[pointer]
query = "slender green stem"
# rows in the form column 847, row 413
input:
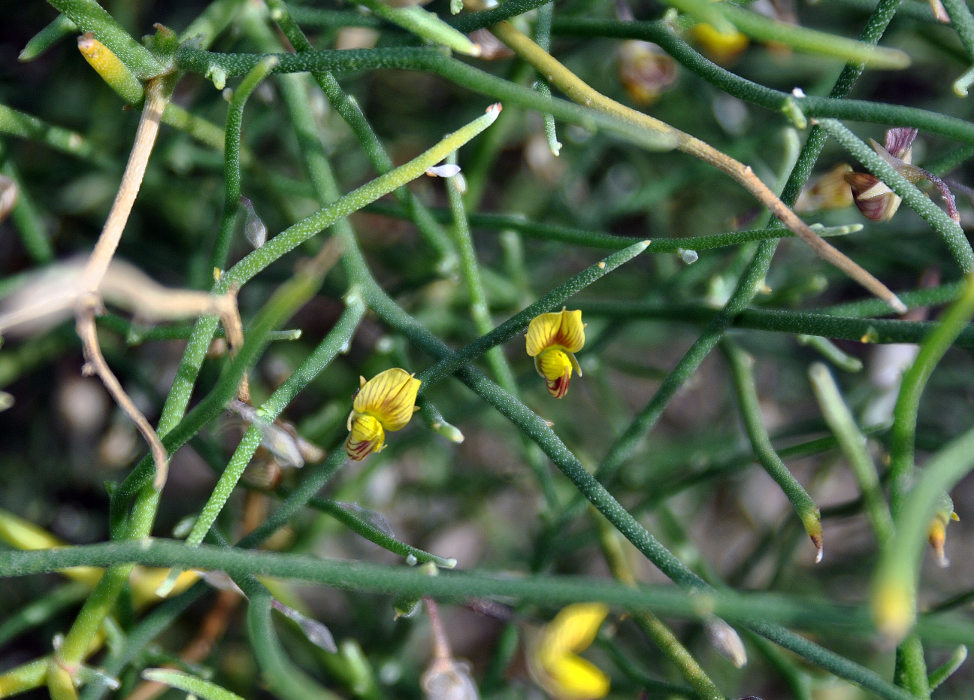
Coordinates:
column 312, row 366
column 377, row 536
column 741, row 365
column 423, row 24
column 483, row 324
column 895, row 579
column 470, row 271
column 804, row 39
column 542, row 36
column 654, row 628
column 41, row 611
column 231, row 159
column 283, row 677
column 89, row 16
column 863, row 330
column 906, row 412
column 831, row 352
column 351, row 112
column 213, row 20
column 193, row 685
column 27, row 218
column 963, row 23
column 59, row 28
column 25, row 677
column 854, row 447
column 601, row 239
column 947, row 669
column 27, row 126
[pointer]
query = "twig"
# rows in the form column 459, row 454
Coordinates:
column 101, row 258
column 582, row 93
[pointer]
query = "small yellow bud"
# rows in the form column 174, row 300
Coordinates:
column 110, row 68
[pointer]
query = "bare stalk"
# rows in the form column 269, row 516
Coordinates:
column 101, row 257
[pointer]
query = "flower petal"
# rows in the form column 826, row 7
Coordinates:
column 572, row 333
column 874, row 198
column 574, row 678
column 829, row 191
column 573, row 629
column 555, row 366
column 390, row 396
column 899, row 142
column 366, row 437
column 564, row 328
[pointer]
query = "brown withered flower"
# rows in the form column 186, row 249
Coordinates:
column 874, row 198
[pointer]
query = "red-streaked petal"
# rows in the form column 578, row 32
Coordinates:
column 365, row 437
column 563, row 328
column 559, row 387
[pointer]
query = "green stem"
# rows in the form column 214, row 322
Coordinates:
column 377, row 536
column 809, row 40
column 854, row 447
column 350, row 111
column 906, row 412
column 59, row 28
column 741, row 365
column 25, row 677
column 600, row 239
column 862, row 330
column 963, row 23
column 484, row 324
column 312, row 366
column 654, row 628
column 27, row 126
column 231, row 159
column 193, row 685
column 89, row 16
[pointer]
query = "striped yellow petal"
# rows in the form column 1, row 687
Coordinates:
column 366, row 437
column 562, row 328
column 389, row 396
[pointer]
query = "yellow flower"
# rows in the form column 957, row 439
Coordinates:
column 722, row 48
column 552, row 341
column 553, row 657
column 385, row 402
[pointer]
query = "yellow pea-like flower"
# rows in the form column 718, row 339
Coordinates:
column 552, row 340
column 553, row 657
column 385, row 402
